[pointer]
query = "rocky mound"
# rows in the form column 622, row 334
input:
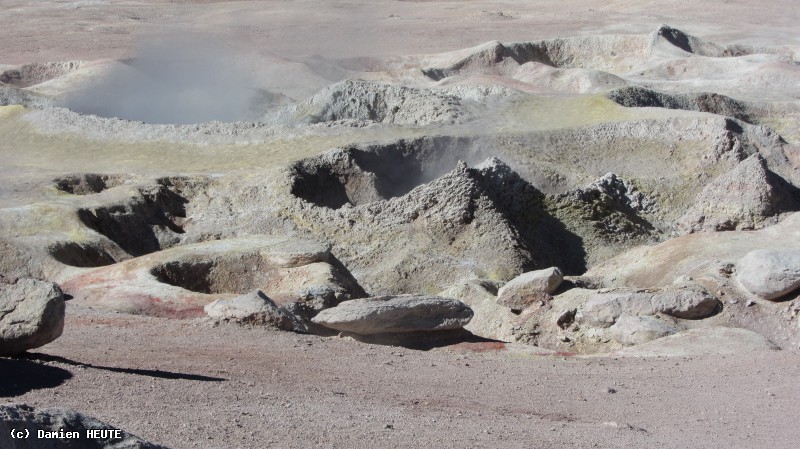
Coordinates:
column 65, row 429
column 11, row 95
column 482, row 222
column 359, row 102
column 609, row 53
column 32, row 74
column 639, row 97
column 584, row 320
column 743, row 198
column 612, row 206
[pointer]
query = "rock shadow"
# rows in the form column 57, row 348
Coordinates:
column 19, row 376
column 161, row 374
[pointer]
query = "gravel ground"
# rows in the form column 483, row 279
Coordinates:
column 188, row 384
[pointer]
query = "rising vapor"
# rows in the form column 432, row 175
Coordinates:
column 178, row 79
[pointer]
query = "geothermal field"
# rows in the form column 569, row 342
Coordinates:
column 355, row 224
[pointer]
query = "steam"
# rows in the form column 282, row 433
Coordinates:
column 172, row 80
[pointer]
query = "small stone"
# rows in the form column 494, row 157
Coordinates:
column 611, row 390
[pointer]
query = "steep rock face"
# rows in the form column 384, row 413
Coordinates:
column 31, row 314
column 741, row 199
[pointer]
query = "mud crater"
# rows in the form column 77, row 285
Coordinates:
column 361, row 175
column 90, row 183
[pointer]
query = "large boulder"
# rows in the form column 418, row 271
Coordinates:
column 65, row 429
column 684, row 301
column 396, row 314
column 769, row 274
column 530, row 288
column 31, row 315
column 491, row 320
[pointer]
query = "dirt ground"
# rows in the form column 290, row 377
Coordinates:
column 188, row 384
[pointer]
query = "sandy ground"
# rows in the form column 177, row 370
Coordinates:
column 87, row 29
column 188, row 384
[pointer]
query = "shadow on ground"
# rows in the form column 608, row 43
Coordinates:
column 19, row 376
column 161, row 374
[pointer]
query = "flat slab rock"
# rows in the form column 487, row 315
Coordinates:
column 22, row 417
column 769, row 274
column 396, row 314
column 702, row 341
column 31, row 315
column 687, row 302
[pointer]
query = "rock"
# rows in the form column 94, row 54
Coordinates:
column 23, row 418
column 687, row 301
column 740, row 199
column 396, row 314
column 702, row 341
column 252, row 308
column 634, row 330
column 491, row 320
column 179, row 282
column 530, row 288
column 31, row 315
column 769, row 274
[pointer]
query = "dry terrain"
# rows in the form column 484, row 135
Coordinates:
column 163, row 161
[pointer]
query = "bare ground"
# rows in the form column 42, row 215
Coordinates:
column 184, row 383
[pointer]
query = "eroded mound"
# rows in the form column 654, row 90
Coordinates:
column 368, row 102
column 611, row 53
column 11, row 95
column 485, row 221
column 32, row 74
column 703, row 102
